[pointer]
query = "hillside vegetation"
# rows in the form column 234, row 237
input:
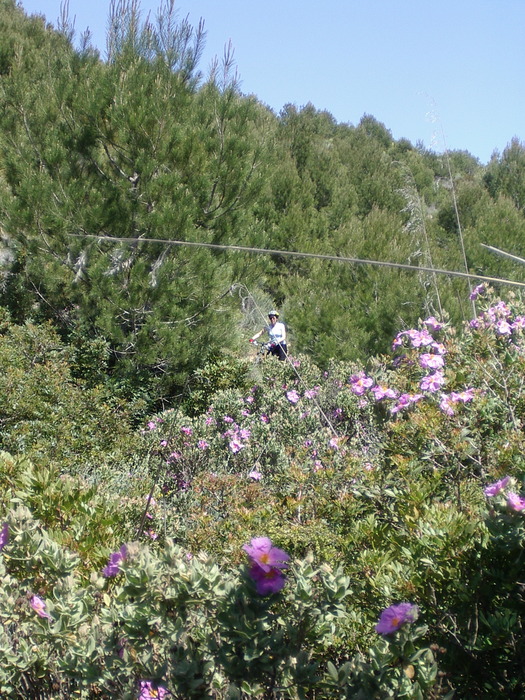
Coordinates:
column 182, row 519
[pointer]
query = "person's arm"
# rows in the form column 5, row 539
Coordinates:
column 257, row 335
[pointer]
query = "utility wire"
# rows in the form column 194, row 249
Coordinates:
column 295, row 254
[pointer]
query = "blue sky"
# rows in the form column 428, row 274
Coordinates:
column 447, row 73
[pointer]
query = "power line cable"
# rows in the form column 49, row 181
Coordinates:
column 296, row 254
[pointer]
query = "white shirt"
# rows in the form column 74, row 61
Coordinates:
column 277, row 332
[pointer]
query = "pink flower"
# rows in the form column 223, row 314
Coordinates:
column 152, row 425
column 515, row 502
column 446, row 405
column 480, row 289
column 311, row 393
column 271, row 581
column 186, row 430
column 39, row 607
column 395, row 617
column 292, row 396
column 173, row 457
column 150, row 691
column 433, row 323
column 4, row 536
column 430, row 361
column 404, row 401
column 113, row 566
column 265, row 555
column 266, row 562
column 420, row 338
column 227, row 419
column 518, row 324
column 264, row 418
column 433, row 382
column 383, row 392
column 202, row 445
column 236, row 445
column 503, row 327
column 360, row 382
column 462, row 396
column 244, row 433
column 255, row 475
column 334, row 442
column 496, row 487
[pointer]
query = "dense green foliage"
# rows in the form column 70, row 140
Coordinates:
column 135, row 424
column 371, row 481
column 142, row 146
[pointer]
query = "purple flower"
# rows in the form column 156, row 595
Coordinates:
column 383, row 392
column 496, row 487
column 266, row 562
column 4, row 536
column 264, row 418
column 227, row 419
column 236, row 445
column 518, row 323
column 433, row 323
column 113, row 566
column 271, row 581
column 515, row 502
column 404, row 401
column 503, row 327
column 255, row 475
column 420, row 338
column 462, row 396
column 265, row 555
column 39, row 607
column 359, row 383
column 446, row 405
column 311, row 393
column 186, row 430
column 244, row 433
column 395, row 616
column 152, row 425
column 433, row 382
column 477, row 291
column 430, row 361
column 202, row 445
column 150, row 691
column 292, row 396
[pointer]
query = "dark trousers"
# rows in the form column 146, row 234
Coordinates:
column 279, row 350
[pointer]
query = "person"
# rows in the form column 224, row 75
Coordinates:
column 277, row 335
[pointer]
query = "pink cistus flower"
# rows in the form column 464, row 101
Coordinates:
column 236, row 445
column 496, row 487
column 394, row 617
column 152, row 691
column 113, row 566
column 292, row 396
column 39, row 607
column 515, row 502
column 433, row 324
column 255, row 475
column 266, row 564
column 381, row 392
column 359, row 383
column 477, row 291
column 433, row 382
column 4, row 536
column 430, row 361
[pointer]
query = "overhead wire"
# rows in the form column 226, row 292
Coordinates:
column 298, row 254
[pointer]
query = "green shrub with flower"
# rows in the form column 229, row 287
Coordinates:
column 347, row 532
